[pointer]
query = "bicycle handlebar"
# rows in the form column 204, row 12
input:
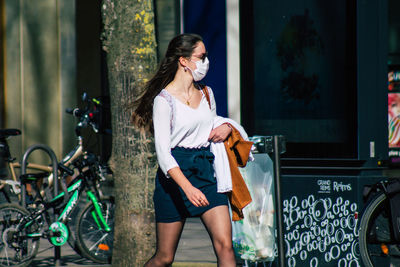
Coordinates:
column 75, row 112
column 65, row 169
column 87, row 116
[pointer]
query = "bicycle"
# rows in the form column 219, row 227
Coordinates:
column 377, row 237
column 87, row 118
column 86, row 165
column 21, row 228
column 13, row 185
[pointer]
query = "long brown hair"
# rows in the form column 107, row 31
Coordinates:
column 180, row 46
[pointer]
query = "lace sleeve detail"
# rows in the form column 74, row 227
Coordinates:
column 162, row 133
column 171, row 104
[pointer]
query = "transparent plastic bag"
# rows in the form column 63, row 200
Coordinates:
column 254, row 236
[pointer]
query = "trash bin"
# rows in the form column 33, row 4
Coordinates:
column 254, row 236
column 320, row 208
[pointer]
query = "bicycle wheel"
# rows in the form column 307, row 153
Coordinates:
column 376, row 240
column 72, row 242
column 93, row 241
column 16, row 249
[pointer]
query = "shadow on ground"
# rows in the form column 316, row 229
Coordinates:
column 68, row 260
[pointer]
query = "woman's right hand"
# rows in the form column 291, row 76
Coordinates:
column 196, row 197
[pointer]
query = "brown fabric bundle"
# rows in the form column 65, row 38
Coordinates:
column 238, row 151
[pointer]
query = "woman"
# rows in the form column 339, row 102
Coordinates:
column 182, row 119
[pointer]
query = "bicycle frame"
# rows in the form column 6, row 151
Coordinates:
column 85, row 119
column 74, row 200
column 14, row 183
column 12, row 166
column 76, row 188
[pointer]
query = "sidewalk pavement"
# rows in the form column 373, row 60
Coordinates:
column 194, row 250
column 195, row 247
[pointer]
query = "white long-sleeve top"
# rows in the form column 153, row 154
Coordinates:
column 177, row 124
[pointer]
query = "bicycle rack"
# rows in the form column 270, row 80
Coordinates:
column 51, row 154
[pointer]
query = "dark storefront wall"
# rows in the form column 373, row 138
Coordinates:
column 394, row 33
column 91, row 75
column 314, row 72
column 301, row 58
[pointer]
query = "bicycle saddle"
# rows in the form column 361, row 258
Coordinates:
column 32, row 177
column 4, row 133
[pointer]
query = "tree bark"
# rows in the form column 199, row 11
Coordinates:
column 129, row 40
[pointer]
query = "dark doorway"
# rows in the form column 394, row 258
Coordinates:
column 92, row 72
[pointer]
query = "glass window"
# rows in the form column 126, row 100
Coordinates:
column 299, row 75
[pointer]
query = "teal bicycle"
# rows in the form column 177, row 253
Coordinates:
column 22, row 228
column 50, row 217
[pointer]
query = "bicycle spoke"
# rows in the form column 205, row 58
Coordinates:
column 377, row 245
column 94, row 240
column 93, row 236
column 8, row 262
column 5, row 258
column 98, row 242
column 16, row 248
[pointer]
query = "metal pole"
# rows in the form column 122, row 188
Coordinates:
column 278, row 201
column 54, row 162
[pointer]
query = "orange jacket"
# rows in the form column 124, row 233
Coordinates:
column 238, row 151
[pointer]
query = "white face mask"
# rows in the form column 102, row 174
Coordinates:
column 201, row 69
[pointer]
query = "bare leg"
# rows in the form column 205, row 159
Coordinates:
column 168, row 235
column 219, row 227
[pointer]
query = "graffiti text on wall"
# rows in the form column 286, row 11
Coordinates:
column 321, row 228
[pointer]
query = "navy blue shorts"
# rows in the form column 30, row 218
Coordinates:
column 170, row 202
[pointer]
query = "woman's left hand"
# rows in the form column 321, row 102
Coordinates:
column 220, row 133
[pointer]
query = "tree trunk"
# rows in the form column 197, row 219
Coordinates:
column 129, row 40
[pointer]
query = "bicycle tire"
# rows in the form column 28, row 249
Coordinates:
column 376, row 240
column 15, row 250
column 72, row 240
column 89, row 235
